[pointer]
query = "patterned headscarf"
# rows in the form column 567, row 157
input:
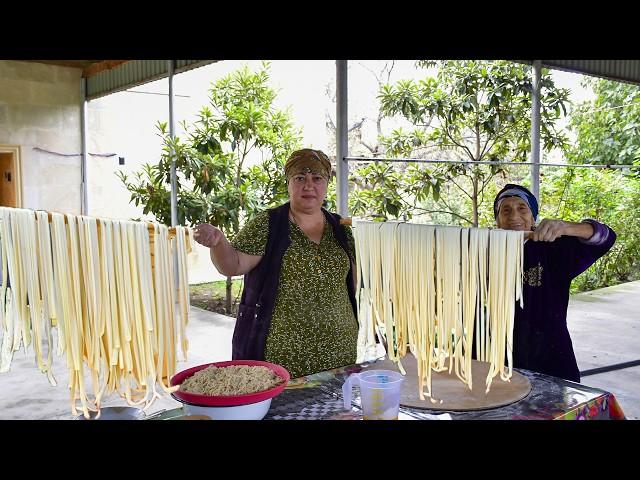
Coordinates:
column 512, row 190
column 308, row 160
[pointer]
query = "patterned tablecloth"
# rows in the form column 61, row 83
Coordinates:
column 319, row 397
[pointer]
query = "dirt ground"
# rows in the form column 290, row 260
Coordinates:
column 213, row 303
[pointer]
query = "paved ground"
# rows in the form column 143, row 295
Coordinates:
column 604, row 325
column 25, row 393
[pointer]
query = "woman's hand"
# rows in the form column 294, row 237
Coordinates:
column 225, row 258
column 549, row 230
column 207, row 235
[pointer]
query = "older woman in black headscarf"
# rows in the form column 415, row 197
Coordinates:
column 556, row 252
column 298, row 305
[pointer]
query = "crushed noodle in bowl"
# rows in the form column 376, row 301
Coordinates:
column 231, row 380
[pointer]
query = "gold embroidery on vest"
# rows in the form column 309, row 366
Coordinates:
column 533, row 276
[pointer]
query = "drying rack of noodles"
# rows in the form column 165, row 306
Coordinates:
column 230, row 390
column 108, row 289
column 439, row 293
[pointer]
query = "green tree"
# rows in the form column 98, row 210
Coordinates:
column 608, row 128
column 607, row 132
column 216, row 182
column 610, row 197
column 473, row 111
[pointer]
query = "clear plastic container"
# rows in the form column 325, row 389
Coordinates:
column 379, row 393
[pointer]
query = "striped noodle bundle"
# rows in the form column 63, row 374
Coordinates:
column 436, row 291
column 108, row 288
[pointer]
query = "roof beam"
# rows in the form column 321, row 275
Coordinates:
column 96, row 68
column 627, row 71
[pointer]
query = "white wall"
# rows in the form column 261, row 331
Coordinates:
column 125, row 123
column 40, row 107
column 121, row 123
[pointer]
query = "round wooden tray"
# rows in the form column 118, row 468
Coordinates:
column 455, row 394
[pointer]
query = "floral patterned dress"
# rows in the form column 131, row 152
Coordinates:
column 313, row 327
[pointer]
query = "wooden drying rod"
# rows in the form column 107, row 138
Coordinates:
column 151, row 225
column 172, row 230
column 347, row 221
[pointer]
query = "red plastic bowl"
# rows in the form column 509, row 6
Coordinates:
column 229, row 400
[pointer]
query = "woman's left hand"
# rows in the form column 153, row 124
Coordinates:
column 548, row 230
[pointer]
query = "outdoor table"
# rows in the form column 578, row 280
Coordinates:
column 319, row 397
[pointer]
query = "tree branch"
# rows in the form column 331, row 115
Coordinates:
column 390, row 69
column 446, row 122
column 446, row 212
column 357, row 125
column 451, row 210
column 241, row 162
column 462, row 189
column 384, row 69
column 486, row 148
column 330, row 93
column 373, row 150
column 484, row 184
column 375, row 75
column 329, row 122
column 435, row 211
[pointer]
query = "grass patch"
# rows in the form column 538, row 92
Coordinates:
column 211, row 296
column 218, row 288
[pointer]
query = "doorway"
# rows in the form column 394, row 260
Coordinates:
column 10, row 177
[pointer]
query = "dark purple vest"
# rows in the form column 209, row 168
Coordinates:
column 261, row 286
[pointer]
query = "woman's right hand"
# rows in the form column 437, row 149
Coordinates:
column 207, row 235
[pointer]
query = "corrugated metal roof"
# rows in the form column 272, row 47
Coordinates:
column 138, row 72
column 134, row 73
column 619, row 70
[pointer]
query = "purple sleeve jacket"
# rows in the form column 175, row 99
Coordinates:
column 541, row 340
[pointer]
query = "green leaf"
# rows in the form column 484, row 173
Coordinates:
column 436, row 192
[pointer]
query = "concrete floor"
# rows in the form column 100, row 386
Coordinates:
column 604, row 325
column 25, row 393
column 605, row 328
